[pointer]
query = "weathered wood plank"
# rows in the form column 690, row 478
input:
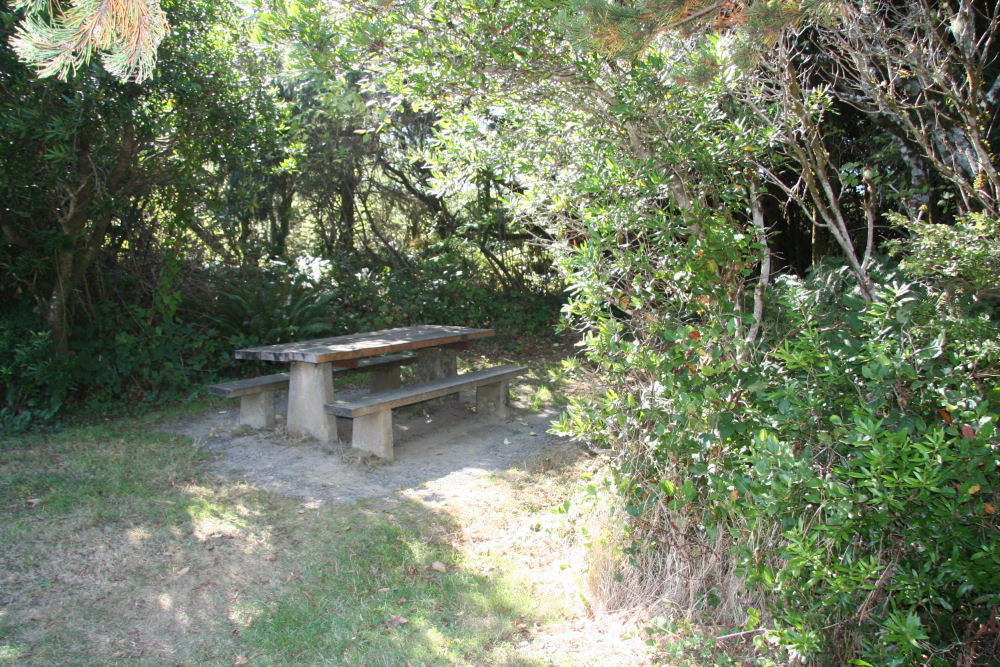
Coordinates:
column 354, row 346
column 238, row 388
column 387, row 400
column 255, row 385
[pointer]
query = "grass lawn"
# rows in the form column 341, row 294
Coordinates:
column 121, row 547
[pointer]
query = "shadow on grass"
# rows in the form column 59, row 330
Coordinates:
column 392, row 591
column 118, row 545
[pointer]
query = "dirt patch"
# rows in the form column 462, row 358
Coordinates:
column 498, row 481
column 163, row 564
column 441, row 447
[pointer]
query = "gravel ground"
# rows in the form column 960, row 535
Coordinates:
column 438, row 449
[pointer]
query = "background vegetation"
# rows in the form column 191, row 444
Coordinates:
column 771, row 223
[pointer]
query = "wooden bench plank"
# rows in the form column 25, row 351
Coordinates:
column 257, row 394
column 372, row 414
column 395, row 398
column 255, row 385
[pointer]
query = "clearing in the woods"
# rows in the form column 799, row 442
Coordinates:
column 181, row 538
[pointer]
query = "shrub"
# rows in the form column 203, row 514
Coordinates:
column 870, row 439
column 850, row 470
column 131, row 355
column 271, row 304
column 34, row 382
column 134, row 352
column 442, row 289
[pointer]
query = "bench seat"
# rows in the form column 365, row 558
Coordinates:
column 256, row 385
column 257, row 394
column 372, row 413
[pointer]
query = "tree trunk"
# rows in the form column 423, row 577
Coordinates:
column 345, row 239
column 80, row 246
column 56, row 316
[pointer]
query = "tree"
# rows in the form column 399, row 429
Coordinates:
column 749, row 411
column 97, row 156
column 76, row 152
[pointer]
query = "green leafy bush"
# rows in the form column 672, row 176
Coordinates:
column 273, row 304
column 962, row 256
column 129, row 355
column 132, row 355
column 850, row 470
column 34, row 382
column 442, row 289
column 870, row 439
column 137, row 352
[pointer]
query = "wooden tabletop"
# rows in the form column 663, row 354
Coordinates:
column 356, row 346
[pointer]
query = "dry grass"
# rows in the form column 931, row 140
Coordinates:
column 515, row 523
column 176, row 587
column 120, row 547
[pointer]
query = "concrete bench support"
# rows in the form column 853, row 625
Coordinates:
column 257, row 410
column 494, row 400
column 372, row 414
column 304, row 417
column 256, row 397
column 373, row 434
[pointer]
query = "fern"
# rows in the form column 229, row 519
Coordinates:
column 273, row 306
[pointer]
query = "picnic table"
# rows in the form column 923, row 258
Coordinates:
column 313, row 409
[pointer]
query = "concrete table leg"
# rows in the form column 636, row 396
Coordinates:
column 434, row 363
column 384, row 379
column 310, row 386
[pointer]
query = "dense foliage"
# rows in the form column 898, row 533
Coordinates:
column 794, row 415
column 845, row 459
column 149, row 230
column 776, row 223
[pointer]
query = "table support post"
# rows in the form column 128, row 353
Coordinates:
column 434, row 363
column 310, row 387
column 384, row 379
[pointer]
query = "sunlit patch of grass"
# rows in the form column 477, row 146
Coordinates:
column 10, row 653
column 391, row 589
column 540, row 388
column 215, row 515
column 124, row 548
column 541, row 397
column 86, row 467
column 514, row 528
column 102, row 559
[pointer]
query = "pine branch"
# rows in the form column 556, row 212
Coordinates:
column 125, row 33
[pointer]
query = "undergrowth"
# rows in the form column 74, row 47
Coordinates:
column 831, row 499
column 144, row 347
